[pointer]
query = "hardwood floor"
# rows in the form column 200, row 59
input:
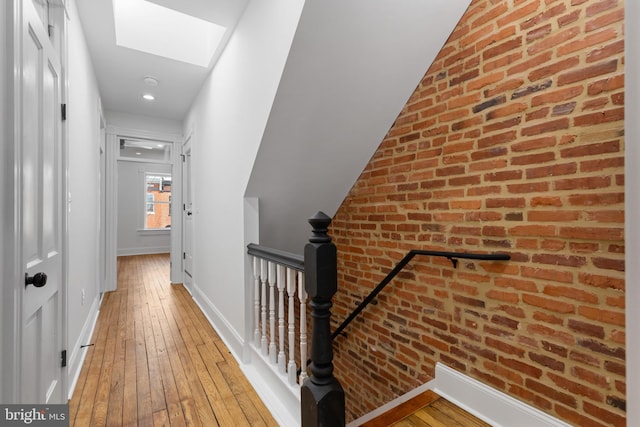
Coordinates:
column 428, row 409
column 156, row 361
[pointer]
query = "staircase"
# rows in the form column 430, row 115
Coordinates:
column 428, row 409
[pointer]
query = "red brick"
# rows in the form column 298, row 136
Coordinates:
column 575, row 387
column 576, row 418
column 585, row 73
column 531, row 168
column 547, row 126
column 606, row 316
column 605, row 20
column 553, row 40
column 607, row 416
column 604, row 85
column 601, row 6
column 605, row 116
column 559, row 95
column 548, row 304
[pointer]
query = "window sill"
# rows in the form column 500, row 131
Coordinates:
column 153, row 231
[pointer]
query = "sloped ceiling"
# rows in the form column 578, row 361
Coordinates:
column 351, row 69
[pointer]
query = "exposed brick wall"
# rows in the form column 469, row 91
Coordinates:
column 512, row 142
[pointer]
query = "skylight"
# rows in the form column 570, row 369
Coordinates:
column 154, row 29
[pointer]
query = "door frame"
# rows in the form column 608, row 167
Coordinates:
column 11, row 215
column 187, row 146
column 111, row 208
column 102, row 234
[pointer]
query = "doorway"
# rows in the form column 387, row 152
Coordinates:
column 144, row 196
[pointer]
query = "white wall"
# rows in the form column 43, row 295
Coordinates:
column 131, row 240
column 84, row 168
column 352, row 67
column 228, row 120
column 143, row 123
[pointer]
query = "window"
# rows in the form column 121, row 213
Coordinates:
column 147, row 151
column 157, row 201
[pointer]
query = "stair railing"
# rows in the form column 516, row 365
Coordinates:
column 314, row 276
column 452, row 256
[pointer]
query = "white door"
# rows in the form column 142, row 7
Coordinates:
column 187, row 215
column 41, row 214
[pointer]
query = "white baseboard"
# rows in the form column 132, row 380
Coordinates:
column 280, row 400
column 143, row 251
column 76, row 359
column 487, row 403
column 227, row 333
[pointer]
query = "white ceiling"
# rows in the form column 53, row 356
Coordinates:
column 120, row 70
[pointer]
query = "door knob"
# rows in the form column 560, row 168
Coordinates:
column 38, row 280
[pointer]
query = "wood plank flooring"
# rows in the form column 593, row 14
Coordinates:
column 426, row 410
column 156, row 360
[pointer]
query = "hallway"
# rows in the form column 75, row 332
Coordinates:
column 158, row 362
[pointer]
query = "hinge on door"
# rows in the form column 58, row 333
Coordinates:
column 183, row 157
column 63, row 111
column 184, row 255
column 63, row 359
column 184, row 207
column 50, row 30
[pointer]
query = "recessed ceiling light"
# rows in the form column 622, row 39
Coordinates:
column 148, row 97
column 150, row 81
column 143, row 25
column 139, row 154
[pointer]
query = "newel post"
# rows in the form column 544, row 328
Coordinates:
column 322, row 397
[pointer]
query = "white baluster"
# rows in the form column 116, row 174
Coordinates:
column 264, row 276
column 291, row 292
column 256, row 301
column 302, row 295
column 272, row 312
column 281, row 285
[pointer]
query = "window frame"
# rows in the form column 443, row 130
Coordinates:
column 164, row 177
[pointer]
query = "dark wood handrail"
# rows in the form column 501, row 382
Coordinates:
column 288, row 259
column 452, row 256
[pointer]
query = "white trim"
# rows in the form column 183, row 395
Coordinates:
column 178, row 238
column 632, row 208
column 111, row 228
column 63, row 19
column 229, row 335
column 111, row 213
column 484, row 402
column 487, row 403
column 144, row 251
column 146, row 134
column 153, row 231
column 76, row 359
column 11, row 302
column 175, row 272
column 282, row 400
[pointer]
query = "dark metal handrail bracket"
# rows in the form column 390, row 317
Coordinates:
column 452, row 256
